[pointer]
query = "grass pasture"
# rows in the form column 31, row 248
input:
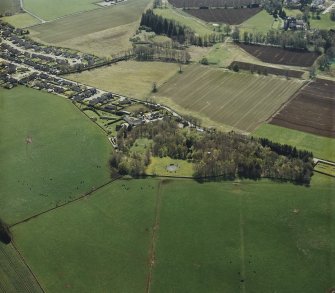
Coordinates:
column 245, row 237
column 261, row 22
column 14, row 274
column 210, row 237
column 50, row 153
column 49, row 9
column 21, row 20
column 130, row 78
column 110, row 27
column 99, row 244
column 322, row 147
column 212, row 93
column 9, row 6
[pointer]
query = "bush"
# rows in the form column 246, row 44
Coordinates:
column 5, row 236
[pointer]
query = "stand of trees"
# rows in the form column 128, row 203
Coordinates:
column 215, row 154
column 321, row 41
column 5, row 235
column 176, row 31
column 150, row 52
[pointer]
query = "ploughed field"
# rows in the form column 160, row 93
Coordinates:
column 280, row 56
column 211, row 3
column 312, row 110
column 240, row 100
column 255, row 68
column 230, row 16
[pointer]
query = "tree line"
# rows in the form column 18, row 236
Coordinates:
column 214, row 154
column 318, row 40
column 5, row 235
column 176, row 31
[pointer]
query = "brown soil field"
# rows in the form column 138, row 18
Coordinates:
column 311, row 110
column 280, row 56
column 230, row 15
column 211, row 3
column 266, row 69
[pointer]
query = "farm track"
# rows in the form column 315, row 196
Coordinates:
column 66, row 203
column 152, row 249
column 242, row 247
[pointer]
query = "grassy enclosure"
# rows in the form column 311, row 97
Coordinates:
column 322, row 147
column 110, row 27
column 240, row 100
column 131, row 78
column 169, row 167
column 50, row 153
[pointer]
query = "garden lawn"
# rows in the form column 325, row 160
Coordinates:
column 99, row 244
column 50, row 153
column 322, row 147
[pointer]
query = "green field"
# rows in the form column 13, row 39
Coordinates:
column 66, row 157
column 99, row 244
column 261, row 22
column 50, row 9
column 241, row 100
column 130, row 78
column 223, row 55
column 197, row 25
column 14, row 274
column 322, row 147
column 110, row 27
column 9, row 6
column 213, row 237
column 21, row 20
